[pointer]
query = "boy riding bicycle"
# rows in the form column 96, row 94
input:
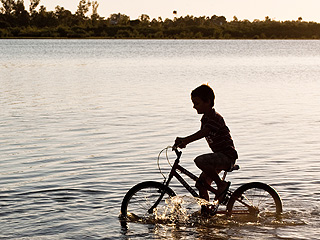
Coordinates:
column 217, row 134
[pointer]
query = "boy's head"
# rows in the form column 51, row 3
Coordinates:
column 205, row 93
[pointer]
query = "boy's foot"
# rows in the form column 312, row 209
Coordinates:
column 209, row 210
column 222, row 191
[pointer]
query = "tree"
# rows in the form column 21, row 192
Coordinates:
column 21, row 15
column 16, row 21
column 267, row 19
column 95, row 14
column 144, row 18
column 18, row 7
column 44, row 19
column 119, row 19
column 95, row 6
column 15, row 13
column 83, row 8
column 64, row 16
column 8, row 6
column 33, row 5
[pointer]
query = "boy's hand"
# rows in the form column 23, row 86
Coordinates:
column 180, row 143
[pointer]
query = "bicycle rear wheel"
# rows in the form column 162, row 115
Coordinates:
column 139, row 201
column 255, row 199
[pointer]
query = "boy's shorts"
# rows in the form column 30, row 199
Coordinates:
column 218, row 160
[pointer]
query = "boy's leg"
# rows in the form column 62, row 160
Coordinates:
column 203, row 192
column 209, row 164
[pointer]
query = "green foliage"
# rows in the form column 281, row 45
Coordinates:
column 15, row 21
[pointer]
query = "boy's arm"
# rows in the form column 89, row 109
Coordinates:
column 183, row 142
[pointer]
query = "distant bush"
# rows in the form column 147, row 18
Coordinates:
column 15, row 21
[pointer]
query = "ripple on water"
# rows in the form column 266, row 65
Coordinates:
column 76, row 133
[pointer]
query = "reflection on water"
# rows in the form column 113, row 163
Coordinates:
column 184, row 211
column 177, row 224
column 82, row 121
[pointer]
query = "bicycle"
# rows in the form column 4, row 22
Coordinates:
column 251, row 199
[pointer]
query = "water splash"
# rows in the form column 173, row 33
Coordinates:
column 173, row 211
column 180, row 209
column 186, row 210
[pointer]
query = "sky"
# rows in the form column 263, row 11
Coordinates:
column 279, row 10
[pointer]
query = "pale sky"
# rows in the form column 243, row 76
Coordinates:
column 278, row 10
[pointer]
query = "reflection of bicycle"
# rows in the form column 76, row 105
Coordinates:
column 253, row 198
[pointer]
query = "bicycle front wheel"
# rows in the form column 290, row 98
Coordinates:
column 255, row 199
column 139, row 202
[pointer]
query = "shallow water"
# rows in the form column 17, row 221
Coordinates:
column 82, row 121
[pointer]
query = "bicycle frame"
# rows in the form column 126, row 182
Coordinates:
column 174, row 173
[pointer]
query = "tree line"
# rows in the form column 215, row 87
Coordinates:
column 36, row 22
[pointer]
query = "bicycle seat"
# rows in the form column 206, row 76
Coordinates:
column 235, row 167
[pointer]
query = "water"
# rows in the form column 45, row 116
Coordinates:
column 82, row 121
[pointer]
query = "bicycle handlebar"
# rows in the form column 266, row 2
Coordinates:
column 178, row 153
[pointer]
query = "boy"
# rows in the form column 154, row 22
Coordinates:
column 217, row 134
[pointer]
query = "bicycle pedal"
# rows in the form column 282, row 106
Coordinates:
column 209, row 210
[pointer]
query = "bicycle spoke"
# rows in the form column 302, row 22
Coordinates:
column 255, row 199
column 143, row 197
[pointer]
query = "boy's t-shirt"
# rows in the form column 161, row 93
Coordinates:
column 219, row 138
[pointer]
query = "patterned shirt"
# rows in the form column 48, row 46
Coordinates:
column 219, row 138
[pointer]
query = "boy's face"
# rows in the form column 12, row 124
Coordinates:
column 201, row 106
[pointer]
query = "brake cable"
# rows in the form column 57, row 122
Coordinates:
column 167, row 157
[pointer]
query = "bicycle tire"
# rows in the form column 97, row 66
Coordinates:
column 255, row 198
column 140, row 199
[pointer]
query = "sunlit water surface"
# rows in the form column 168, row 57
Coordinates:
column 82, row 121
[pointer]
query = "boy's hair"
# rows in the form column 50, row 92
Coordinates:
column 205, row 93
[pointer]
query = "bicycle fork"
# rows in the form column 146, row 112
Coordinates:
column 180, row 179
